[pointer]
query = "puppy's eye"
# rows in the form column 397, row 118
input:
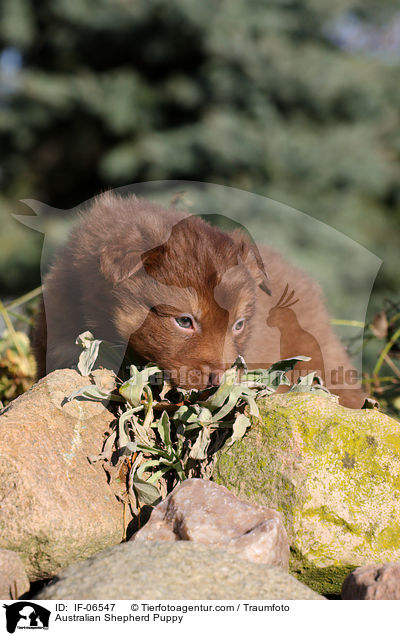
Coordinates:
column 238, row 326
column 185, row 322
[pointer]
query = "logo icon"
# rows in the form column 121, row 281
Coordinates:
column 26, row 615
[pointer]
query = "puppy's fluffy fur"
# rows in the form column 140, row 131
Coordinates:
column 131, row 268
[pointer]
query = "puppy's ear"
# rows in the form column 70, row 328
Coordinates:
column 251, row 257
column 118, row 264
column 124, row 257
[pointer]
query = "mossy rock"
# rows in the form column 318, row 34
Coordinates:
column 334, row 474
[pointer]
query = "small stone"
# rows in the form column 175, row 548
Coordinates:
column 13, row 579
column 373, row 582
column 203, row 512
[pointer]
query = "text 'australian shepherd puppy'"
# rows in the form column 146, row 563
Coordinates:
column 184, row 295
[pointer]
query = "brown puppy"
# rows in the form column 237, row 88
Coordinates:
column 183, row 294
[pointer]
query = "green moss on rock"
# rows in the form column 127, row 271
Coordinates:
column 333, row 472
column 326, row 581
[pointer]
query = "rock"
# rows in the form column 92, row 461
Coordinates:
column 180, row 570
column 201, row 511
column 332, row 472
column 13, row 579
column 373, row 582
column 56, row 507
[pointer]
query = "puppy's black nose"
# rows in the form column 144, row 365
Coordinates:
column 214, row 378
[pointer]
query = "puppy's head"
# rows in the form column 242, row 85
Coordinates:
column 188, row 303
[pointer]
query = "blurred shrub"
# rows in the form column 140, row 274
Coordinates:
column 19, row 253
column 383, row 337
column 17, row 365
column 248, row 93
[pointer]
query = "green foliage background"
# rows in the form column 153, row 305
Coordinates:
column 248, row 93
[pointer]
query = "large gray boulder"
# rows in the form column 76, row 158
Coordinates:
column 56, row 508
column 332, row 472
column 180, row 570
column 203, row 512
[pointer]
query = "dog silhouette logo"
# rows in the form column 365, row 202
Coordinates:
column 294, row 340
column 26, row 615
